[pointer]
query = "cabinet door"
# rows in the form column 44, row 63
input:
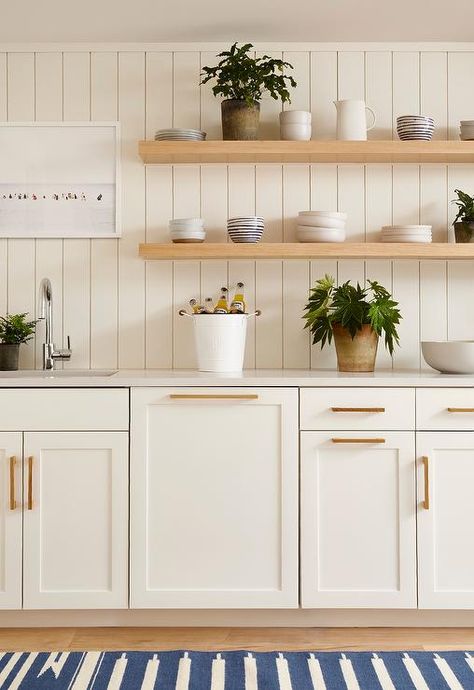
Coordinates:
column 445, row 523
column 214, row 495
column 10, row 520
column 75, row 520
column 358, row 520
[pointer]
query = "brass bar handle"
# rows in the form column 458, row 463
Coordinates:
column 426, row 472
column 30, row 483
column 12, row 483
column 460, row 409
column 358, row 409
column 358, row 440
column 199, row 396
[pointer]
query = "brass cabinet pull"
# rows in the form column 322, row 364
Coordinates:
column 30, row 483
column 460, row 409
column 216, row 396
column 358, row 409
column 358, row 440
column 12, row 483
column 426, row 502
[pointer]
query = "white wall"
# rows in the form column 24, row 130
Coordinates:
column 120, row 311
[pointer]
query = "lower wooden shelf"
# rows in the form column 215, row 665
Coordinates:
column 299, row 250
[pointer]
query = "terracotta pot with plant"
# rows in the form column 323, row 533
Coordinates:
column 14, row 330
column 242, row 79
column 356, row 317
column 464, row 221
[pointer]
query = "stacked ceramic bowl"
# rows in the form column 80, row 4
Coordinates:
column 245, row 228
column 466, row 132
column 321, row 226
column 415, row 128
column 187, row 230
column 180, row 134
column 406, row 233
column 295, row 125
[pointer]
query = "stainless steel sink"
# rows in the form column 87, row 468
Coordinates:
column 57, row 373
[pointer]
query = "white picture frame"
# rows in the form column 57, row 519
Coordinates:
column 60, row 179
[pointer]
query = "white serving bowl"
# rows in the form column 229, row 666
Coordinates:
column 295, row 117
column 295, row 132
column 324, row 214
column 449, row 357
column 321, row 222
column 305, row 234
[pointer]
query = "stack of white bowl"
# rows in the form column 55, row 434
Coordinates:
column 295, row 125
column 415, row 128
column 187, row 230
column 406, row 233
column 321, row 226
column 466, row 130
column 180, row 134
column 245, row 228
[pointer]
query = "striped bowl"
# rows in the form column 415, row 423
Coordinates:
column 415, row 128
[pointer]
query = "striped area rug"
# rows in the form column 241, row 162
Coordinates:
column 181, row 670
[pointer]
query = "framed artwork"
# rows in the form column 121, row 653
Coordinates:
column 59, row 179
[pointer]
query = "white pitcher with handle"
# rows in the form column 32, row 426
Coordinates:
column 352, row 120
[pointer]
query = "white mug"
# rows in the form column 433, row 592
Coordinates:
column 352, row 120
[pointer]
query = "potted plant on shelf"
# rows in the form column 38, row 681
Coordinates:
column 464, row 221
column 14, row 330
column 242, row 79
column 356, row 317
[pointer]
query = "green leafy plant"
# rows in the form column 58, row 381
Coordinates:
column 351, row 307
column 465, row 204
column 244, row 78
column 14, row 328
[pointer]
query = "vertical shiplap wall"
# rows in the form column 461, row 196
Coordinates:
column 121, row 311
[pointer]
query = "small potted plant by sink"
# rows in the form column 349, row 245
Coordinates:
column 14, row 330
column 356, row 317
column 464, row 221
column 242, row 79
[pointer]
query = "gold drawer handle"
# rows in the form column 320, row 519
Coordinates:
column 12, row 483
column 216, row 396
column 460, row 409
column 30, row 483
column 358, row 409
column 358, row 440
column 426, row 501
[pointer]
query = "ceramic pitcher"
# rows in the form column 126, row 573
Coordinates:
column 352, row 120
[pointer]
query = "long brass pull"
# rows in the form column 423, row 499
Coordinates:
column 460, row 409
column 426, row 502
column 30, row 483
column 12, row 483
column 358, row 409
column 358, row 440
column 199, row 396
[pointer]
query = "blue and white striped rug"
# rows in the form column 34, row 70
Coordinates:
column 180, row 670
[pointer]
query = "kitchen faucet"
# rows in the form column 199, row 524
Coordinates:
column 50, row 354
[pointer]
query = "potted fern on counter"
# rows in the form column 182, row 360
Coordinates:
column 14, row 330
column 356, row 317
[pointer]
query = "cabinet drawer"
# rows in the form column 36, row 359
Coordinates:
column 65, row 409
column 445, row 409
column 357, row 408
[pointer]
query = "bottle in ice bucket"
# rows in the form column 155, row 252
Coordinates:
column 222, row 306
column 208, row 305
column 237, row 305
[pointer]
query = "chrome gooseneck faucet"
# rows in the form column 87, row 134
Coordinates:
column 50, row 354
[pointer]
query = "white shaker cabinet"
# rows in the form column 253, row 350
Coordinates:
column 445, row 463
column 10, row 519
column 214, row 498
column 358, row 526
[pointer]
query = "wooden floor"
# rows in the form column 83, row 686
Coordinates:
column 258, row 639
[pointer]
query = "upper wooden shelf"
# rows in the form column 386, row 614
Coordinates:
column 307, row 151
column 299, row 250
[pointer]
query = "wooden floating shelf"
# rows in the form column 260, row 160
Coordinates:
column 299, row 250
column 306, row 151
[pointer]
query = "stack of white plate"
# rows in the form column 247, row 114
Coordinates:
column 406, row 233
column 321, row 226
column 180, row 134
column 466, row 130
column 187, row 230
column 245, row 228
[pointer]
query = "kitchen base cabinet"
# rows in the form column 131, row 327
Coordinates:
column 358, row 528
column 10, row 520
column 445, row 519
column 214, row 498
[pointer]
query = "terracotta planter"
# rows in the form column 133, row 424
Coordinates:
column 464, row 232
column 239, row 120
column 358, row 353
column 9, row 353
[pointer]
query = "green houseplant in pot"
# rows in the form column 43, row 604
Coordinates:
column 356, row 317
column 241, row 79
column 14, row 330
column 464, row 221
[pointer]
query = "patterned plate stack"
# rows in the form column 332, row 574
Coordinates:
column 406, row 233
column 180, row 134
